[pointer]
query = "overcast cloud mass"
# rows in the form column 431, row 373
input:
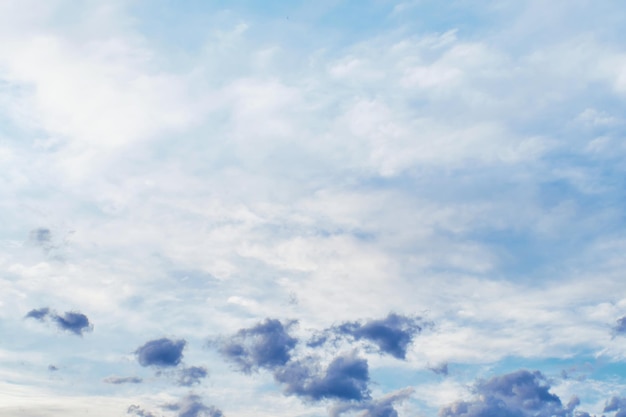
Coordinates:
column 292, row 208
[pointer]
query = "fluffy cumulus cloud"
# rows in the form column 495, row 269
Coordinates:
column 162, row 352
column 345, row 378
column 521, row 394
column 391, row 335
column 266, row 345
column 71, row 321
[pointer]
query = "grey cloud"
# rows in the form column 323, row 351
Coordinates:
column 383, row 407
column 38, row 314
column 192, row 406
column 191, row 375
column 266, row 345
column 117, row 380
column 162, row 352
column 620, row 326
column 617, row 404
column 71, row 321
column 391, row 335
column 345, row 378
column 518, row 394
column 139, row 412
column 52, row 368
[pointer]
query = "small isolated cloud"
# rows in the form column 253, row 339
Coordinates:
column 382, row 407
column 520, row 394
column 71, row 321
column 620, row 326
column 192, row 406
column 345, row 378
column 266, row 345
column 191, row 375
column 162, row 352
column 118, row 380
column 52, row 368
column 391, row 335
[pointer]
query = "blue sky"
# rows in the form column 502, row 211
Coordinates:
column 334, row 208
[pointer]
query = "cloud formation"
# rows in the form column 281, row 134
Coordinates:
column 620, row 326
column 345, row 378
column 192, row 406
column 381, row 407
column 517, row 394
column 162, row 352
column 617, row 405
column 118, row 380
column 266, row 345
column 71, row 321
column 191, row 375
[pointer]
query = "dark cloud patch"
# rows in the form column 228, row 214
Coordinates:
column 118, row 380
column 52, row 368
column 162, row 352
column 391, row 335
column 191, row 375
column 192, row 406
column 267, row 345
column 71, row 321
column 620, row 326
column 518, row 394
column 383, row 407
column 38, row 314
column 74, row 322
column 345, row 378
column 617, row 405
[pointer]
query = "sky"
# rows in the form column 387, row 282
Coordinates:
column 336, row 208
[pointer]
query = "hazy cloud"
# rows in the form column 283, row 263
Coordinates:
column 192, row 406
column 117, row 380
column 161, row 352
column 191, row 375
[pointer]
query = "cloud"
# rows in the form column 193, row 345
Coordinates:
column 191, row 375
column 517, row 394
column 617, row 404
column 71, row 321
column 266, row 345
column 117, row 380
column 139, row 412
column 161, row 352
column 192, row 406
column 382, row 407
column 620, row 326
column 41, row 236
column 441, row 369
column 391, row 335
column 345, row 378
